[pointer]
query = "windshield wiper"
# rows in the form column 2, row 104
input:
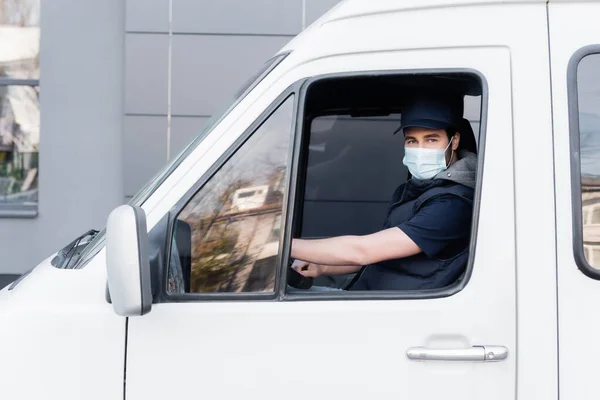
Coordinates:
column 68, row 255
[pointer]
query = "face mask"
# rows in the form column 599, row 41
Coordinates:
column 425, row 163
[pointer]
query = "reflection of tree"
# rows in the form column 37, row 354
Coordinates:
column 221, row 202
column 19, row 104
column 213, row 239
column 211, row 265
column 234, row 215
column 226, row 242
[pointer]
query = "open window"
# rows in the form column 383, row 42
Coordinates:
column 229, row 237
column 351, row 162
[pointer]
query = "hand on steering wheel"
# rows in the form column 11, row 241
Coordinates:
column 307, row 269
column 296, row 279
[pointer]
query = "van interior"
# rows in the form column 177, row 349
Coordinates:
column 352, row 160
column 350, row 165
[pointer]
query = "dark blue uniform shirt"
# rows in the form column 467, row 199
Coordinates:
column 436, row 215
column 442, row 227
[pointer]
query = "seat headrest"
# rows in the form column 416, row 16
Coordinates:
column 467, row 137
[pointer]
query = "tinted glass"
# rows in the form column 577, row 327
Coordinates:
column 588, row 96
column 234, row 221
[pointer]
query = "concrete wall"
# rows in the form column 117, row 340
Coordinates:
column 184, row 61
column 125, row 85
column 81, row 103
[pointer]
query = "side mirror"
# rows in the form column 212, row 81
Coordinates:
column 128, row 268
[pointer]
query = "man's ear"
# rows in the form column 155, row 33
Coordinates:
column 455, row 141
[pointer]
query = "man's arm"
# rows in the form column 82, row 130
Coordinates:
column 384, row 245
column 313, row 270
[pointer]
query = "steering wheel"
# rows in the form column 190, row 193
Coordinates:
column 296, row 280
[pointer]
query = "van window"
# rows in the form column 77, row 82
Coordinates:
column 227, row 237
column 234, row 219
column 353, row 161
column 586, row 104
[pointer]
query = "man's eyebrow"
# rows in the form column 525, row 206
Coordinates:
column 432, row 135
column 408, row 137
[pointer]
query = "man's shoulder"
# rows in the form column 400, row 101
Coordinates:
column 445, row 194
column 445, row 209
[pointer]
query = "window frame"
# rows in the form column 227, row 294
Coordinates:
column 294, row 206
column 165, row 295
column 20, row 210
column 576, row 185
column 292, row 201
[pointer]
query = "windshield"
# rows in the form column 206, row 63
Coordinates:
column 96, row 244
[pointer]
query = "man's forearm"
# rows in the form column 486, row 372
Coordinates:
column 336, row 251
column 331, row 270
column 388, row 244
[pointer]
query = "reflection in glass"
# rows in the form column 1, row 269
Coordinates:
column 235, row 219
column 19, row 39
column 588, row 87
column 19, row 106
column 19, row 143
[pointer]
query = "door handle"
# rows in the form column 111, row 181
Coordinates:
column 475, row 353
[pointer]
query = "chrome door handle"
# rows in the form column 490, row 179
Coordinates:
column 475, row 353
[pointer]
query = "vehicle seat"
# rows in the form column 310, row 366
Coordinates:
column 467, row 137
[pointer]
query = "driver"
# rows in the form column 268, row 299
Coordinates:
column 424, row 241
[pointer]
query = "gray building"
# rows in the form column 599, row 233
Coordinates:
column 123, row 86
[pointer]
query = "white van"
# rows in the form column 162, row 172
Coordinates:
column 184, row 295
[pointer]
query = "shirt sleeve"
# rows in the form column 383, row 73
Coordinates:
column 441, row 221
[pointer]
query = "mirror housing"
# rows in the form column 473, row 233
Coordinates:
column 127, row 265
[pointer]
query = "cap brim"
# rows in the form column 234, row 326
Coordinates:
column 423, row 123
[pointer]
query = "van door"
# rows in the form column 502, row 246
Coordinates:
column 575, row 61
column 254, row 342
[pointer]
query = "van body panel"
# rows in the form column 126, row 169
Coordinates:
column 266, row 347
column 578, row 294
column 359, row 9
column 60, row 337
column 337, row 46
column 525, row 291
column 534, row 199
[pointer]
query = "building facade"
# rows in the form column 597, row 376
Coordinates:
column 123, row 86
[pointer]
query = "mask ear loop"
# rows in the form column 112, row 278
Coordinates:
column 452, row 154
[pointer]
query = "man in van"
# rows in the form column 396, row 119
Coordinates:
column 424, row 241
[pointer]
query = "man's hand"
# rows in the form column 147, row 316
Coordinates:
column 310, row 270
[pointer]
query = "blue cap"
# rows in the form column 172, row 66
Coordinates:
column 433, row 112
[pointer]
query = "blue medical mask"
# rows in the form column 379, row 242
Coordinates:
column 425, row 163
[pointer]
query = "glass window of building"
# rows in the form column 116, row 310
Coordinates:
column 19, row 107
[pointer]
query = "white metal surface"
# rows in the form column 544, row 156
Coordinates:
column 59, row 338
column 572, row 26
column 357, row 349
